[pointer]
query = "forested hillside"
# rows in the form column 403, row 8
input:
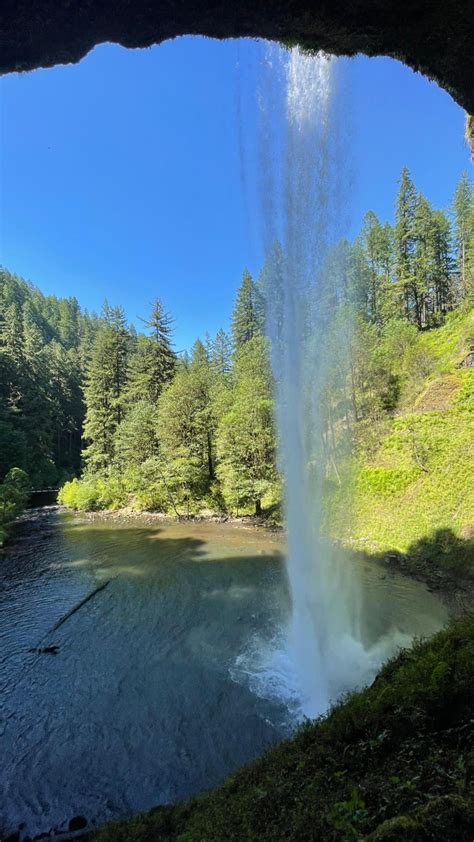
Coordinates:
column 43, row 359
column 144, row 427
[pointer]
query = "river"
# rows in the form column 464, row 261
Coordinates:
column 149, row 695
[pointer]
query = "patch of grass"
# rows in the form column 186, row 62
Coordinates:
column 419, row 482
column 393, row 761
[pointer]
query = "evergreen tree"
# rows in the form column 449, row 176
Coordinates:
column 464, row 236
column 422, row 260
column 104, row 390
column 41, row 408
column 135, row 437
column 220, row 354
column 246, row 437
column 443, row 268
column 374, row 244
column 154, row 361
column 247, row 318
column 186, row 425
column 405, row 243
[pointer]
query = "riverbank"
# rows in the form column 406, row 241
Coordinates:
column 128, row 514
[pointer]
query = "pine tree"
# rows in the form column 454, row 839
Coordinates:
column 405, row 242
column 443, row 269
column 247, row 318
column 135, row 438
column 119, row 342
column 41, row 372
column 104, row 390
column 186, row 426
column 422, row 260
column 464, row 236
column 221, row 353
column 154, row 361
column 199, row 355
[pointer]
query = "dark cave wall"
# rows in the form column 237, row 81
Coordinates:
column 435, row 37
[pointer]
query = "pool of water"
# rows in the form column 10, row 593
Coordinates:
column 146, row 700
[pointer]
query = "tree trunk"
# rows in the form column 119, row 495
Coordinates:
column 258, row 507
column 210, row 466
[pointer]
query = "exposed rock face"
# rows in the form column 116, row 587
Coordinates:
column 432, row 36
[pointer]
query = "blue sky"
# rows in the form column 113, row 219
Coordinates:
column 121, row 176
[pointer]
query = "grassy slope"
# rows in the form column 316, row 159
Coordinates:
column 415, row 492
column 395, row 761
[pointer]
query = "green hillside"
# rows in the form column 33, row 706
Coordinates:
column 413, row 491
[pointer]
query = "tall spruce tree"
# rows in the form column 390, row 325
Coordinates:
column 105, row 388
column 464, row 236
column 153, row 363
column 247, row 317
column 443, row 292
column 405, row 242
column 221, row 353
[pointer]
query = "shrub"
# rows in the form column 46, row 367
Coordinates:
column 20, row 480
column 94, row 493
column 14, row 494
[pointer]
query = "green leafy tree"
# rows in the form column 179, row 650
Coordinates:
column 186, row 426
column 246, row 435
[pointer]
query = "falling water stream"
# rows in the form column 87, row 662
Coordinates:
column 322, row 652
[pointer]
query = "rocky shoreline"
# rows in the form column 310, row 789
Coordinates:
column 148, row 518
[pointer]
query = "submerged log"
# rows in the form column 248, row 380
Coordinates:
column 80, row 605
column 53, row 649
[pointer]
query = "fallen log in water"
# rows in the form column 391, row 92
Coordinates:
column 53, row 649
column 80, row 604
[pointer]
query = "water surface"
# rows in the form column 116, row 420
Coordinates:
column 147, row 699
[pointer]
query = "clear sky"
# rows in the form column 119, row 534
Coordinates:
column 121, row 176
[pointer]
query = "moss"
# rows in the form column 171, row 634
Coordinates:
column 393, row 761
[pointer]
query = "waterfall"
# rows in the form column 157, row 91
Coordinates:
column 322, row 640
column 303, row 189
column 320, row 654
